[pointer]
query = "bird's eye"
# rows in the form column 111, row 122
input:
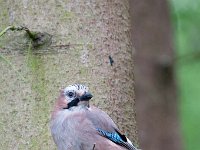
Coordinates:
column 70, row 94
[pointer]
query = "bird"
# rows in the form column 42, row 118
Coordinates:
column 77, row 125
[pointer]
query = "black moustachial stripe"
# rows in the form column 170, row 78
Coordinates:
column 74, row 102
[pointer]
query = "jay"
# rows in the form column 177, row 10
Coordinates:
column 75, row 125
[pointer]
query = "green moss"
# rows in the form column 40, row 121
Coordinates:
column 4, row 16
column 34, row 143
column 12, row 66
column 83, row 71
column 91, row 46
column 36, row 66
column 67, row 15
column 39, row 117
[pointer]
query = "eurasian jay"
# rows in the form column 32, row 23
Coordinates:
column 75, row 125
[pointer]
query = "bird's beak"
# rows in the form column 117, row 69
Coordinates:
column 86, row 97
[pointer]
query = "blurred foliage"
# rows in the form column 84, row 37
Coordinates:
column 185, row 16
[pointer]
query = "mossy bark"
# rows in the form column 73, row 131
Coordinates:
column 83, row 36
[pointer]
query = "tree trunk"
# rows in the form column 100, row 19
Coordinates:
column 84, row 42
column 156, row 105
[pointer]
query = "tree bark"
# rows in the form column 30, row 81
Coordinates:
column 88, row 42
column 156, row 91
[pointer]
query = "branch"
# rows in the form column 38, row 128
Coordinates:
column 37, row 38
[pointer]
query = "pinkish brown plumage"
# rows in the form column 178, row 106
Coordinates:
column 74, row 123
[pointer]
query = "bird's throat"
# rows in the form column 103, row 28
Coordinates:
column 84, row 103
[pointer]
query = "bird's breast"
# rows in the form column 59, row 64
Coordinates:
column 66, row 121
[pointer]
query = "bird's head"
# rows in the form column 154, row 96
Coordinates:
column 76, row 94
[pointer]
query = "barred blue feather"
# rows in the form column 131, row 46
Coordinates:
column 117, row 138
column 113, row 136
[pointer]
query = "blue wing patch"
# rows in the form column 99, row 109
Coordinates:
column 117, row 138
column 113, row 136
